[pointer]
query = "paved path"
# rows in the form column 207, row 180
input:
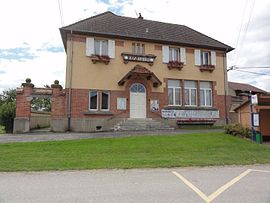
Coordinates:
column 199, row 185
column 49, row 136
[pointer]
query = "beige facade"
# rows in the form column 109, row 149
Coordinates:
column 86, row 75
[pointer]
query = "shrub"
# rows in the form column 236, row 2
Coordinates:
column 238, row 130
column 7, row 115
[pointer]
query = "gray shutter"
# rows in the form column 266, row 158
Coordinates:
column 90, row 46
column 165, row 54
column 213, row 58
column 183, row 55
column 111, row 48
column 197, row 55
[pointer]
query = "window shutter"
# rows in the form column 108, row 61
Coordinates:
column 213, row 58
column 111, row 51
column 90, row 44
column 197, row 57
column 183, row 55
column 165, row 54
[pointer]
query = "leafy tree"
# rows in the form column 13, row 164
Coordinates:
column 41, row 104
column 7, row 109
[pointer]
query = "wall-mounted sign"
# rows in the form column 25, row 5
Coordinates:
column 185, row 113
column 154, row 106
column 256, row 120
column 121, row 103
column 254, row 99
column 148, row 58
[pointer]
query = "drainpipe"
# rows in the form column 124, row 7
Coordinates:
column 225, row 86
column 70, row 79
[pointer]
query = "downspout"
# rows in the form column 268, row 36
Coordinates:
column 70, row 80
column 225, row 86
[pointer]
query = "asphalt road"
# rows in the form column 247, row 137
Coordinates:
column 208, row 184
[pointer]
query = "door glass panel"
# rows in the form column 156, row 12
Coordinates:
column 137, row 88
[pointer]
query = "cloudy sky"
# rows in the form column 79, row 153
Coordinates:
column 31, row 46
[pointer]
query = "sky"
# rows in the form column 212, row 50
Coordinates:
column 31, row 45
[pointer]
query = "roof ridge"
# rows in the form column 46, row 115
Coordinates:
column 91, row 17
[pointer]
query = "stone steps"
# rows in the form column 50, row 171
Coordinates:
column 147, row 124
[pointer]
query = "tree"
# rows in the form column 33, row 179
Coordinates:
column 7, row 109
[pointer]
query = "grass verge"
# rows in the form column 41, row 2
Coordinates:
column 132, row 152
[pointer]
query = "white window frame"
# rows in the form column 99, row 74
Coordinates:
column 90, row 100
column 189, row 95
column 203, row 58
column 100, row 46
column 138, row 48
column 172, row 51
column 205, row 90
column 174, row 88
column 109, row 98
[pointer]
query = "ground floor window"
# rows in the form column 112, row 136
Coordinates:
column 205, row 94
column 174, row 92
column 190, row 90
column 105, row 100
column 99, row 96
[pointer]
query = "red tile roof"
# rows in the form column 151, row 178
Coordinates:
column 110, row 25
column 245, row 87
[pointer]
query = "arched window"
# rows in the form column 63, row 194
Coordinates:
column 137, row 87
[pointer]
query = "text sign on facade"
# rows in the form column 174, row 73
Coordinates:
column 141, row 58
column 200, row 114
column 254, row 99
column 256, row 120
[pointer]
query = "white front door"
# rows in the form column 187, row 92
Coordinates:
column 137, row 101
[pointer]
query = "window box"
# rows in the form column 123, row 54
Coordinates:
column 175, row 64
column 208, row 67
column 100, row 58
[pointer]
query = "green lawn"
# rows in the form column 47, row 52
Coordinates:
column 132, row 152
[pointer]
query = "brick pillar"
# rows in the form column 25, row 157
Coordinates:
column 59, row 122
column 23, row 107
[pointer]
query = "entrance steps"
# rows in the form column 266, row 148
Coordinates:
column 141, row 124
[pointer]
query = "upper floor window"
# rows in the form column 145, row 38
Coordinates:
column 101, row 47
column 205, row 94
column 205, row 57
column 190, row 93
column 174, row 92
column 173, row 54
column 138, row 48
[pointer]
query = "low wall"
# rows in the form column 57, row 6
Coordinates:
column 40, row 120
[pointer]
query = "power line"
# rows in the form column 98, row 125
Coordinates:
column 61, row 12
column 256, row 73
column 246, row 29
column 250, row 67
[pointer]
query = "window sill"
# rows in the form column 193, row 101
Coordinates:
column 209, row 68
column 175, row 64
column 98, row 58
column 98, row 113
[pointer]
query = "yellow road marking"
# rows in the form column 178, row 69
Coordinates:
column 215, row 194
column 263, row 171
column 194, row 188
column 227, row 185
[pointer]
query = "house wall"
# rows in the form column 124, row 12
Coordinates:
column 87, row 75
column 264, row 122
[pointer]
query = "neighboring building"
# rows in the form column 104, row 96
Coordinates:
column 262, row 110
column 238, row 93
column 121, row 67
